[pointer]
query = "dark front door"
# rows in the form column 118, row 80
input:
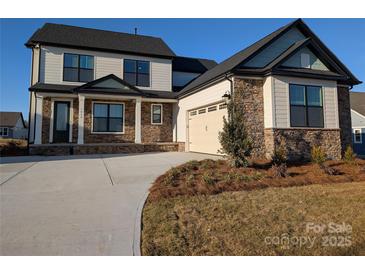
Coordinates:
column 61, row 126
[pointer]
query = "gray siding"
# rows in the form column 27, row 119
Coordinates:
column 357, row 120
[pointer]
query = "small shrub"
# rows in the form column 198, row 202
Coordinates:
column 171, row 177
column 330, row 170
column 190, row 180
column 280, row 171
column 280, row 156
column 234, row 138
column 318, row 156
column 208, row 163
column 208, row 178
column 349, row 156
column 191, row 165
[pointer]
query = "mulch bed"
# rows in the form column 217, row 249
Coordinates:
column 211, row 177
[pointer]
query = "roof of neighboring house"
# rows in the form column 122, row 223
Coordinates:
column 232, row 63
column 94, row 39
column 194, row 65
column 357, row 102
column 9, row 118
column 92, row 87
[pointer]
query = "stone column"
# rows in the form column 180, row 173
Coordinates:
column 38, row 120
column 80, row 131
column 138, row 138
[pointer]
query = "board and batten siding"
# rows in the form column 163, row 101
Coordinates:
column 209, row 95
column 51, row 67
column 279, row 115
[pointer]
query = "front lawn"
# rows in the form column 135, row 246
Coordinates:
column 211, row 208
column 13, row 147
column 322, row 219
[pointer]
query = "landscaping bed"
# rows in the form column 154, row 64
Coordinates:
column 13, row 147
column 213, row 177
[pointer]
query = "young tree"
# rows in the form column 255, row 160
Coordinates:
column 234, row 139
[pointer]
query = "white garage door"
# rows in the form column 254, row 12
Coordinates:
column 204, row 125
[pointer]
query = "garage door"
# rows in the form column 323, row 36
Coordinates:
column 204, row 125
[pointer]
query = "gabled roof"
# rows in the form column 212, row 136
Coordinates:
column 357, row 102
column 230, row 64
column 110, row 84
column 9, row 118
column 194, row 65
column 94, row 39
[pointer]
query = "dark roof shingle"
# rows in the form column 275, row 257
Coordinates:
column 357, row 101
column 9, row 118
column 189, row 64
column 71, row 36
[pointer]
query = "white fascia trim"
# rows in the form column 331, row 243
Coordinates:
column 92, row 117
column 58, row 95
column 152, row 123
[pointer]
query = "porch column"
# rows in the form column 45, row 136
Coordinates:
column 80, row 130
column 38, row 120
column 138, row 138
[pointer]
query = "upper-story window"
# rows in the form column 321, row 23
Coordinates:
column 137, row 73
column 78, row 68
column 306, row 106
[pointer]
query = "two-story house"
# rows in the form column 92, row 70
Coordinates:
column 101, row 91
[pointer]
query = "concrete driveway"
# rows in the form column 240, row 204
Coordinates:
column 80, row 205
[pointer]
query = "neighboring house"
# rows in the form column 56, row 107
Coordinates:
column 12, row 125
column 101, row 91
column 357, row 100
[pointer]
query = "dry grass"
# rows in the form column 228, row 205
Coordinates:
column 13, row 147
column 237, row 223
column 214, row 177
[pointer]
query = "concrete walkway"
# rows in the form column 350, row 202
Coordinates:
column 80, row 205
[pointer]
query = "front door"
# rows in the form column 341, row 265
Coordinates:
column 61, row 126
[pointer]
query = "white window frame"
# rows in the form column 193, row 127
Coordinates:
column 2, row 131
column 357, row 142
column 160, row 105
column 107, row 132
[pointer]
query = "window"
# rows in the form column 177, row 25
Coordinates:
column 213, row 108
column 137, row 73
column 193, row 113
column 357, row 136
column 156, row 114
column 108, row 117
column 223, row 106
column 4, row 131
column 78, row 68
column 306, row 106
column 201, row 111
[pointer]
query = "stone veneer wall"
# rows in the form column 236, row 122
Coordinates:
column 156, row 133
column 46, row 119
column 299, row 142
column 75, row 125
column 344, row 111
column 249, row 100
column 128, row 135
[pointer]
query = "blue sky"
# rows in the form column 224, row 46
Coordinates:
column 206, row 38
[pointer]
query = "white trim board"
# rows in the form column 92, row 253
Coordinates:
column 92, row 117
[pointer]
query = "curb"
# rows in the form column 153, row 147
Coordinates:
column 138, row 226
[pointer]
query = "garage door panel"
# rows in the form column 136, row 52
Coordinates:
column 204, row 128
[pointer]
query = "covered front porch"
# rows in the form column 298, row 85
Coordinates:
column 103, row 116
